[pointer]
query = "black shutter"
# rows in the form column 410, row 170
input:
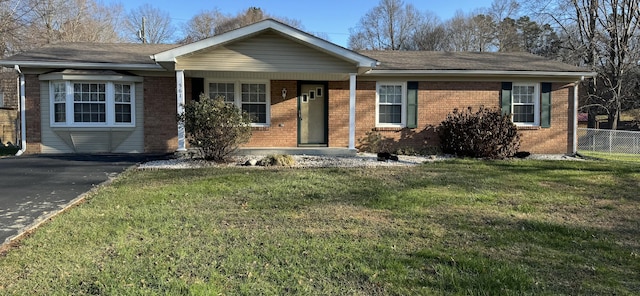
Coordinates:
column 545, row 106
column 197, row 88
column 505, row 97
column 412, row 104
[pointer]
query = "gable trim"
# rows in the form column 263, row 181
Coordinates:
column 269, row 24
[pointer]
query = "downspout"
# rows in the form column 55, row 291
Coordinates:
column 575, row 116
column 23, row 121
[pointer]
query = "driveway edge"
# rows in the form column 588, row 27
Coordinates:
column 11, row 241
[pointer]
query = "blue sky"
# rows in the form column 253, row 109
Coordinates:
column 332, row 17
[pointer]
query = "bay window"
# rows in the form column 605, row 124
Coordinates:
column 91, row 103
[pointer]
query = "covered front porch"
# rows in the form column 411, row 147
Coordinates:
column 295, row 86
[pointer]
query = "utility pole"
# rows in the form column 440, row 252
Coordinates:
column 142, row 34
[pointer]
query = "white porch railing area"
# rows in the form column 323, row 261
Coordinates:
column 609, row 141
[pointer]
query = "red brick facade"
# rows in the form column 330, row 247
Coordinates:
column 435, row 101
column 32, row 114
column 160, row 123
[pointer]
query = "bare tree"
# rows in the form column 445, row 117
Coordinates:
column 148, row 24
column 460, row 32
column 388, row 26
column 203, row 25
column 210, row 23
column 46, row 21
column 430, row 34
column 605, row 34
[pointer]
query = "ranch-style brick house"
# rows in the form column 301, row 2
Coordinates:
column 302, row 91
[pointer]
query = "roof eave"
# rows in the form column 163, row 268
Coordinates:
column 81, row 65
column 565, row 74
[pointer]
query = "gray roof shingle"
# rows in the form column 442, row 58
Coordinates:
column 132, row 53
column 483, row 61
column 117, row 53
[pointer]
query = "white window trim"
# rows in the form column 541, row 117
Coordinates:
column 238, row 95
column 403, row 121
column 109, row 105
column 536, row 103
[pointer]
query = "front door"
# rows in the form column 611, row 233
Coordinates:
column 312, row 115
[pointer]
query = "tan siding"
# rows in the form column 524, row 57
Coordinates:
column 134, row 143
column 94, row 139
column 268, row 52
column 51, row 143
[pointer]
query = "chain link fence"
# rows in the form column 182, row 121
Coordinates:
column 609, row 141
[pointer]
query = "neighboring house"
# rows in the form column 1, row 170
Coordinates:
column 302, row 91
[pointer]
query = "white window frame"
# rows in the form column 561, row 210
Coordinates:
column 403, row 112
column 536, row 103
column 110, row 117
column 238, row 95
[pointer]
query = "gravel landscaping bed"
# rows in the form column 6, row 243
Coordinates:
column 312, row 161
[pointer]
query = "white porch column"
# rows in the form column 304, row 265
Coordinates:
column 352, row 111
column 180, row 103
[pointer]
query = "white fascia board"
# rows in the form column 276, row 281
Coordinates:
column 479, row 72
column 80, row 65
column 171, row 55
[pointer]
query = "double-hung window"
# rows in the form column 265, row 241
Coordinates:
column 525, row 104
column 251, row 97
column 226, row 91
column 92, row 103
column 529, row 104
column 391, row 103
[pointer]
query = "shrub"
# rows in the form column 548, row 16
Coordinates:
column 278, row 160
column 485, row 133
column 215, row 127
column 372, row 142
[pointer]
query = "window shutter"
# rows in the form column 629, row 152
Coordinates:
column 505, row 98
column 197, row 88
column 545, row 106
column 412, row 104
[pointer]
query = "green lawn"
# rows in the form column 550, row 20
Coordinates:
column 612, row 156
column 457, row 227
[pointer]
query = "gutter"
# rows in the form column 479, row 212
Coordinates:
column 575, row 116
column 77, row 65
column 23, row 120
column 479, row 72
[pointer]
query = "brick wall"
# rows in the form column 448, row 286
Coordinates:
column 437, row 99
column 32, row 114
column 283, row 131
column 160, row 125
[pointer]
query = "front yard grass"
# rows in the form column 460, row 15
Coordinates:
column 456, row 227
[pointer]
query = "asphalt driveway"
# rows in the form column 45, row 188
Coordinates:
column 34, row 187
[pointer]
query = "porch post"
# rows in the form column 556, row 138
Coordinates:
column 352, row 110
column 180, row 104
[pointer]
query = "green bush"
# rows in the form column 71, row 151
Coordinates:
column 215, row 127
column 485, row 133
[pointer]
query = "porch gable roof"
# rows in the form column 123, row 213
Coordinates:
column 359, row 60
